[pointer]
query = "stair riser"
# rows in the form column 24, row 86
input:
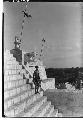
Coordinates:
column 48, row 115
column 12, row 67
column 17, row 99
column 13, row 101
column 20, row 108
column 54, row 114
column 8, row 86
column 10, row 72
column 17, row 91
column 11, row 78
column 27, row 103
column 33, row 99
column 29, row 114
column 44, row 111
column 9, row 113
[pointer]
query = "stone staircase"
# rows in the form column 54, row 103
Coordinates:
column 19, row 99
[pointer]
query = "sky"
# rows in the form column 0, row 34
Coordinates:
column 60, row 25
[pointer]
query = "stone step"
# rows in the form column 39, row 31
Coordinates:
column 15, row 92
column 12, row 66
column 49, row 111
column 11, row 62
column 15, row 84
column 17, row 98
column 15, row 109
column 33, row 107
column 8, row 56
column 42, row 110
column 14, row 71
column 13, row 77
column 54, row 113
column 6, row 59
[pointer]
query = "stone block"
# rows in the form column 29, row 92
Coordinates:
column 9, row 103
column 20, row 109
column 18, row 77
column 21, row 76
column 28, row 87
column 13, row 84
column 9, row 85
column 16, row 100
column 7, row 67
column 6, row 72
column 24, row 81
column 15, row 77
column 20, row 66
column 16, row 83
column 30, row 101
column 12, row 61
column 6, row 78
column 42, row 110
column 9, row 62
column 49, row 111
column 5, row 106
column 12, row 113
column 30, row 80
column 24, row 105
column 6, row 94
column 24, row 88
column 19, row 82
column 33, row 99
column 18, row 90
column 17, row 67
column 5, row 86
column 13, row 92
column 16, row 110
column 17, row 71
column 12, row 101
column 10, row 72
column 7, row 113
column 26, row 94
column 19, row 99
column 13, row 71
column 11, row 77
column 22, row 97
column 29, row 93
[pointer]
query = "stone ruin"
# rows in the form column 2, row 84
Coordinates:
column 19, row 99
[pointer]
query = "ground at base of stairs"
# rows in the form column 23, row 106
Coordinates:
column 68, row 103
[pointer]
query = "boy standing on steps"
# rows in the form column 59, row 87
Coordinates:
column 36, row 79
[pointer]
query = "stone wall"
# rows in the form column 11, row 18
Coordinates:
column 48, row 83
column 20, row 99
column 14, row 85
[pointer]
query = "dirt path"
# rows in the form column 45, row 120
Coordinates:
column 68, row 103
